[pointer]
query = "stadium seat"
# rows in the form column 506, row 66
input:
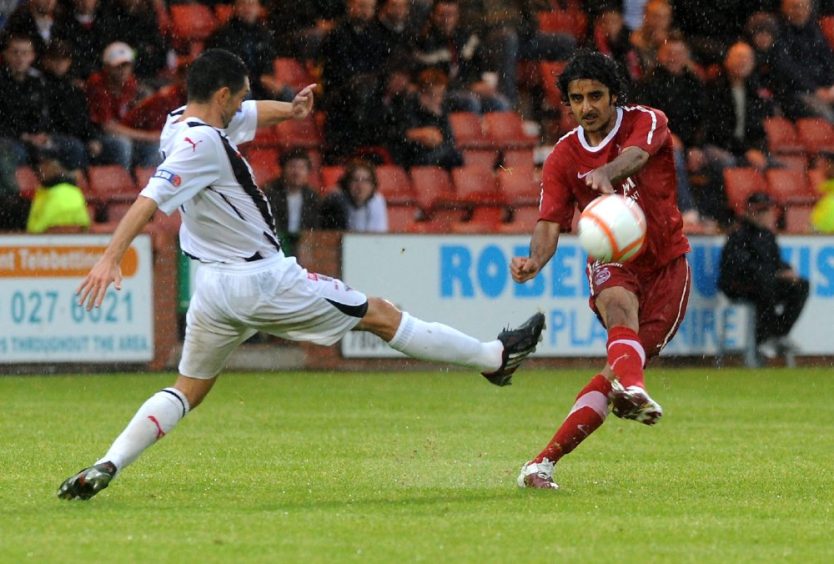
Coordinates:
column 739, row 183
column 191, row 24
column 264, row 163
column 115, row 210
column 292, row 73
column 788, row 186
column 793, row 162
column 484, row 158
column 433, row 188
column 798, row 219
column 519, row 160
column 143, row 174
column 506, row 130
column 519, row 187
column 111, row 183
column 401, row 218
column 265, row 137
column 815, row 134
column 223, row 13
column 827, row 26
column 27, row 181
column 573, row 21
column 781, row 136
column 476, row 185
column 330, row 176
column 298, row 133
column 549, row 72
column 468, row 131
column 395, row 185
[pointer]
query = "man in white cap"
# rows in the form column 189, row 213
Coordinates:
column 111, row 92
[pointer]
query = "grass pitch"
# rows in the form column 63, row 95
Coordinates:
column 291, row 467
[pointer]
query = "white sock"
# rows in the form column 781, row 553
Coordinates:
column 441, row 343
column 157, row 416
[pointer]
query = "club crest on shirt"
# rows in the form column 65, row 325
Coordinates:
column 169, row 176
column 601, row 276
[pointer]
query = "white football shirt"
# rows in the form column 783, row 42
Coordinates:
column 225, row 216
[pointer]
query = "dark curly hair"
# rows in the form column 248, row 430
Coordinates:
column 593, row 65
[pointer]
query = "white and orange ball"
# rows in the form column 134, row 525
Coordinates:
column 612, row 228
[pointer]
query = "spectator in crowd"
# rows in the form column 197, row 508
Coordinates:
column 111, row 93
column 35, row 19
column 652, row 34
column 58, row 205
column 809, row 59
column 294, row 203
column 511, row 34
column 611, row 38
column 396, row 31
column 734, row 132
column 444, row 44
column 135, row 22
column 352, row 58
column 245, row 36
column 752, row 269
column 357, row 205
column 771, row 71
column 150, row 113
column 6, row 9
column 822, row 216
column 13, row 206
column 421, row 133
column 673, row 87
column 83, row 29
column 24, row 118
column 67, row 102
column 300, row 27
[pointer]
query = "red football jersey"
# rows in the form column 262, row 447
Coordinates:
column 654, row 187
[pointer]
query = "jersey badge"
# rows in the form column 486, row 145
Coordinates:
column 168, row 176
column 601, row 276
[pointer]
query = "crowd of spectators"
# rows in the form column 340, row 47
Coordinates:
column 94, row 78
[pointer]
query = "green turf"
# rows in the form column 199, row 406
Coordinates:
column 293, row 467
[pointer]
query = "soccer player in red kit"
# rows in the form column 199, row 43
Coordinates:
column 625, row 150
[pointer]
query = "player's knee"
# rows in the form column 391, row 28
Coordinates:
column 618, row 306
column 382, row 318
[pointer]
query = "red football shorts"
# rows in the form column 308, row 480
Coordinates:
column 663, row 295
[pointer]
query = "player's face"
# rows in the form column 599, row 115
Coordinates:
column 592, row 105
column 233, row 102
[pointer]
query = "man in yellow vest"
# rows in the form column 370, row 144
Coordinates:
column 58, row 205
column 822, row 217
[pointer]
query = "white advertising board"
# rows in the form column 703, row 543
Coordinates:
column 40, row 318
column 464, row 281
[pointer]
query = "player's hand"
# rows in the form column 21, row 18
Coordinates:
column 302, row 104
column 524, row 269
column 94, row 287
column 598, row 180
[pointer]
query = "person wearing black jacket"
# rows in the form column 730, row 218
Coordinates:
column 294, row 203
column 752, row 269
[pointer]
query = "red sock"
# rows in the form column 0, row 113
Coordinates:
column 585, row 417
column 626, row 356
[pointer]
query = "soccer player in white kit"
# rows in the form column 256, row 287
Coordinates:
column 246, row 284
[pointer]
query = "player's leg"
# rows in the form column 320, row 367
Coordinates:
column 438, row 342
column 208, row 342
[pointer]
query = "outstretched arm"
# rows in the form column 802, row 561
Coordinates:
column 271, row 112
column 542, row 246
column 107, row 269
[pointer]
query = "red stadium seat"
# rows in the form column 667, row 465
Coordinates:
column 27, row 181
column 401, row 219
column 477, row 185
column 298, row 133
column 781, row 136
column 549, row 72
column 798, row 219
column 793, row 162
column 223, row 13
column 330, row 176
column 815, row 134
column 143, row 174
column 433, row 188
column 788, row 186
column 739, row 183
column 109, row 183
column 292, row 72
column 827, row 26
column 506, row 130
column 264, row 163
column 484, row 158
column 519, row 187
column 572, row 21
column 395, row 185
column 191, row 25
column 523, row 220
column 468, row 131
column 519, row 160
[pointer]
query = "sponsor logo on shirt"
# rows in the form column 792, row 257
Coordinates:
column 174, row 179
column 193, row 143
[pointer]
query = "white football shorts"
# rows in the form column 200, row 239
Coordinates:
column 232, row 302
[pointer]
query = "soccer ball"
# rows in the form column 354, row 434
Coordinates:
column 612, row 228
